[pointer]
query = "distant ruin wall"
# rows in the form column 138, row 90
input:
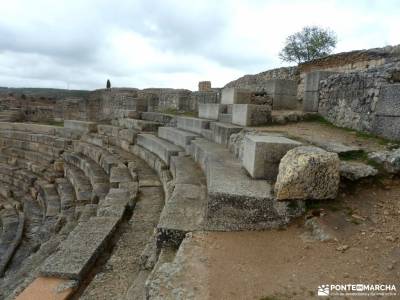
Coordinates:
column 367, row 101
column 257, row 82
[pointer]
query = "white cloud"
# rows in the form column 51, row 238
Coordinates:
column 170, row 43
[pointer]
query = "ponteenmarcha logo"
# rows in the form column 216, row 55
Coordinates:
column 358, row 289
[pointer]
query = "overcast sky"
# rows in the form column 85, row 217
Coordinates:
column 145, row 43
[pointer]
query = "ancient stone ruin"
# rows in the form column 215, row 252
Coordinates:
column 102, row 192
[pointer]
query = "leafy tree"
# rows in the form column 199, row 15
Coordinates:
column 310, row 43
column 108, row 84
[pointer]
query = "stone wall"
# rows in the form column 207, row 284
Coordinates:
column 360, row 60
column 367, row 100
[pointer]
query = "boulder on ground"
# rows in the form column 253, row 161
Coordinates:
column 389, row 159
column 356, row 170
column 308, row 173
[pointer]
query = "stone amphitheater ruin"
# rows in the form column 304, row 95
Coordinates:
column 116, row 193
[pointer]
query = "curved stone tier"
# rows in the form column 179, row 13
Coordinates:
column 77, row 188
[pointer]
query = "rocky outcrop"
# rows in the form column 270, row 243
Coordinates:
column 308, row 173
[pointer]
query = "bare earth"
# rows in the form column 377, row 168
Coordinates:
column 290, row 264
column 364, row 245
column 315, row 131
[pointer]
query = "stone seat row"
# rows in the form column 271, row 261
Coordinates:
column 40, row 138
column 46, row 150
column 87, row 241
column 10, row 236
column 45, row 193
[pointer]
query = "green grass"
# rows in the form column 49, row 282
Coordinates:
column 328, row 205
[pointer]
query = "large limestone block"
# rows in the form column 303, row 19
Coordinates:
column 211, row 110
column 251, row 114
column 308, row 173
column 235, row 96
column 262, row 154
column 192, row 124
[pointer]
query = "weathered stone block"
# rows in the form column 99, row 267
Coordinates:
column 235, row 96
column 250, row 114
column 176, row 136
column 312, row 80
column 311, row 89
column 284, row 101
column 280, row 87
column 308, row 173
column 210, row 110
column 310, row 101
column 262, row 154
column 389, row 101
column 221, row 132
column 192, row 124
column 79, row 252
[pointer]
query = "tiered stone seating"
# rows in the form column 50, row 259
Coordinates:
column 98, row 154
column 82, row 186
column 98, row 178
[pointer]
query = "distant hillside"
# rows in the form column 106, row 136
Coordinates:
column 55, row 94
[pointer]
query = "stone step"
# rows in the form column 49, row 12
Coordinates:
column 141, row 125
column 38, row 158
column 235, row 201
column 176, row 136
column 81, row 184
column 114, row 204
column 195, row 125
column 119, row 175
column 162, row 148
column 185, row 210
column 78, row 253
column 66, row 193
column 96, row 174
column 50, row 196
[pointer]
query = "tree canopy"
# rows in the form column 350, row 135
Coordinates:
column 310, row 43
column 108, row 84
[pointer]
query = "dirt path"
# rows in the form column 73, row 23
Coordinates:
column 316, row 132
column 290, row 264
